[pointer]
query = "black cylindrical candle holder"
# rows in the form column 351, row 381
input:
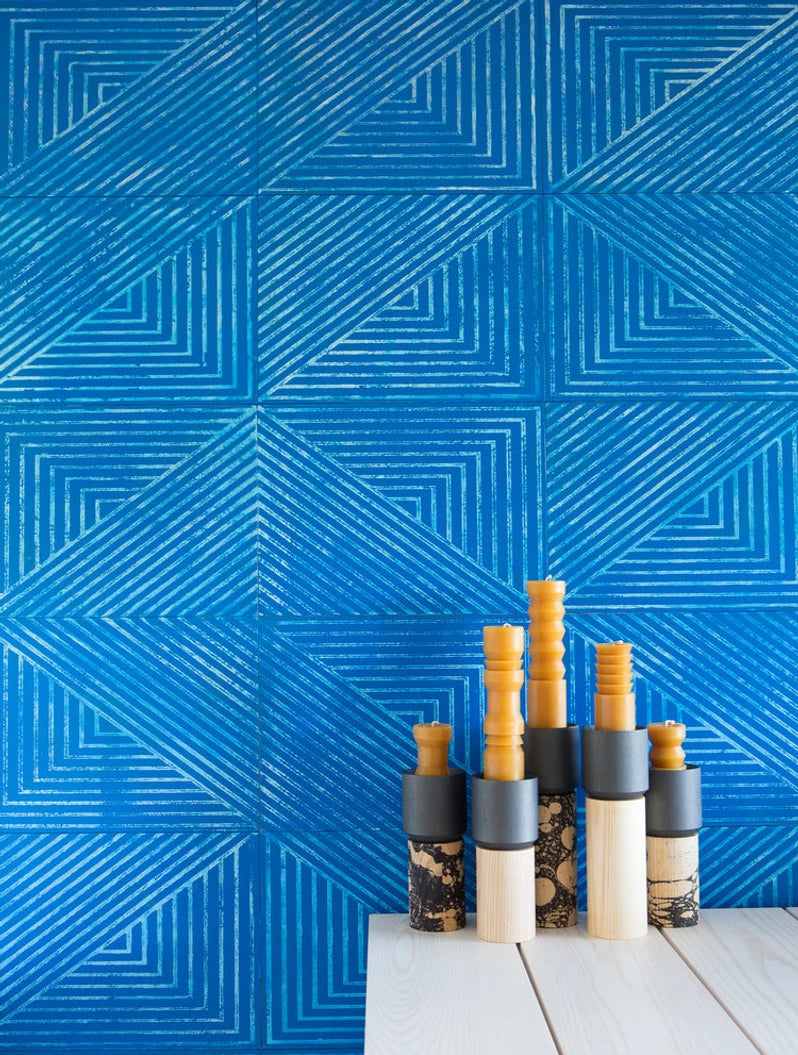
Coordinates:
column 552, row 755
column 615, row 779
column 673, row 819
column 504, row 824
column 434, row 820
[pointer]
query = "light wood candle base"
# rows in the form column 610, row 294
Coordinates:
column 436, row 885
column 616, row 868
column 672, row 867
column 506, row 894
column 555, row 861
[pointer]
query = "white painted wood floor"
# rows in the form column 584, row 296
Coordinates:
column 728, row 985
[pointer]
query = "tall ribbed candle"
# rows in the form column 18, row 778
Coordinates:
column 545, row 691
column 504, row 726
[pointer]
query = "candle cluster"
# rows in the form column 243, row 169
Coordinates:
column 641, row 819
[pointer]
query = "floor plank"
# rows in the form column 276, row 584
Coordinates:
column 626, row 996
column 749, row 959
column 448, row 993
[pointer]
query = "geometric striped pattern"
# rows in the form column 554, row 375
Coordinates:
column 716, row 252
column 627, row 320
column 144, row 722
column 184, row 328
column 692, row 504
column 448, row 100
column 398, row 296
column 322, row 328
column 316, row 963
column 642, row 97
column 155, row 932
column 313, row 506
column 180, row 543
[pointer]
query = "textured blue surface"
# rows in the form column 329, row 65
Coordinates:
column 323, row 326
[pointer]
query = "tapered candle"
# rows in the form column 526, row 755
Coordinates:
column 433, row 739
column 614, row 700
column 545, row 691
column 504, row 726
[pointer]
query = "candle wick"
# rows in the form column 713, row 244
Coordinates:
column 548, row 578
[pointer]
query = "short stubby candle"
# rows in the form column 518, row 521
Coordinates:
column 433, row 739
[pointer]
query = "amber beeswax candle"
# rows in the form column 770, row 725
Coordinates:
column 504, row 726
column 545, row 690
column 666, row 745
column 433, row 739
column 614, row 700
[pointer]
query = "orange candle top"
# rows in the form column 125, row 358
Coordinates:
column 504, row 726
column 433, row 741
column 546, row 690
column 666, row 745
column 614, row 699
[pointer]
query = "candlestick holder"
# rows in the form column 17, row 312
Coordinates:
column 673, row 819
column 615, row 779
column 434, row 820
column 504, row 824
column 552, row 755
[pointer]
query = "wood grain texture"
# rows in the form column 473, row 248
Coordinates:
column 617, row 902
column 506, row 895
column 450, row 993
column 672, row 871
column 749, row 960
column 626, row 997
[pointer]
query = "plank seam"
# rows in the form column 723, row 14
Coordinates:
column 544, row 1012
column 711, row 991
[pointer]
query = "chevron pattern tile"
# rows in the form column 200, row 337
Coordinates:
column 156, row 933
column 324, row 326
column 140, row 98
column 642, row 97
column 375, row 96
column 434, row 504
column 689, row 504
column 399, row 296
column 641, row 303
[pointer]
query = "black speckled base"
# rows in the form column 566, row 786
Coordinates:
column 555, row 861
column 436, row 885
column 673, row 897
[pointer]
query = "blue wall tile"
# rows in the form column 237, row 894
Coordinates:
column 399, row 296
column 323, row 326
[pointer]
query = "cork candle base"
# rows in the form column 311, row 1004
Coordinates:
column 672, row 870
column 555, row 861
column 436, row 887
